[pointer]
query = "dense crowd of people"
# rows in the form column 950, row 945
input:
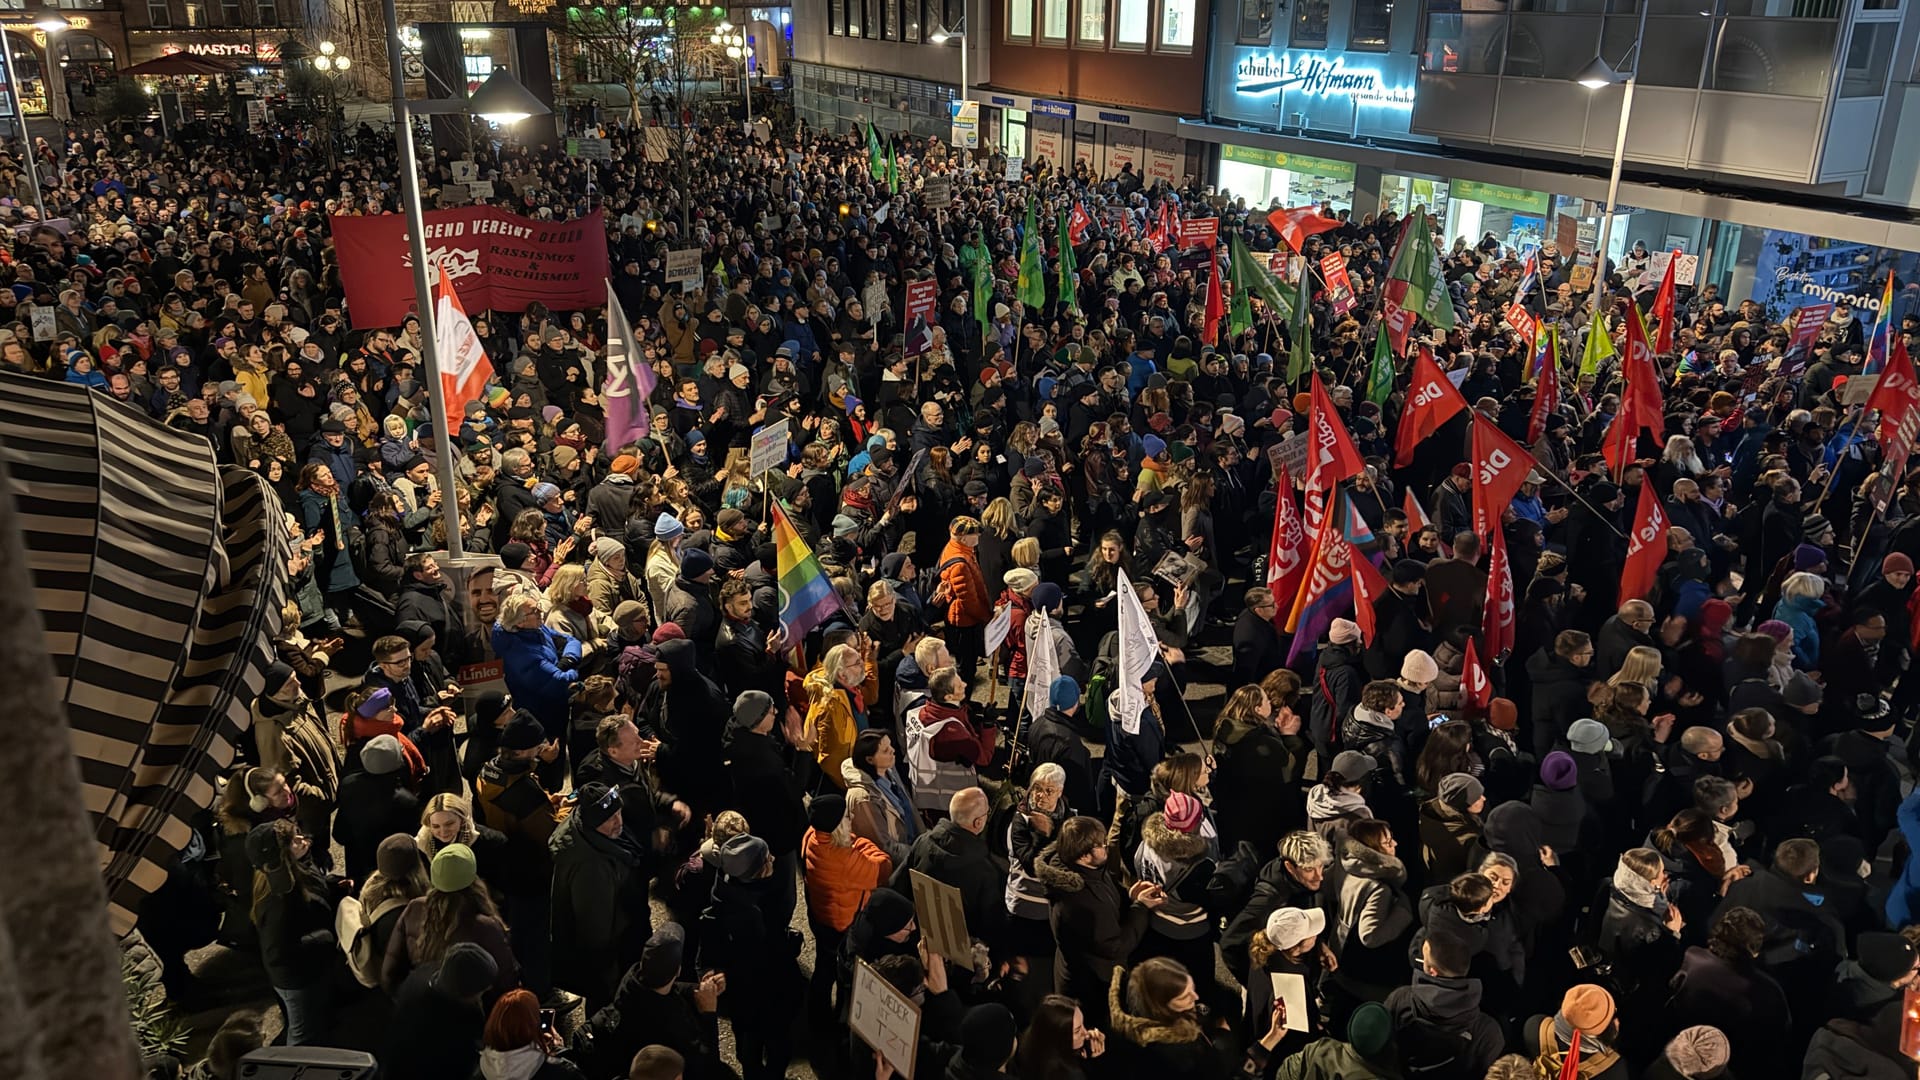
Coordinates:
column 1661, row 849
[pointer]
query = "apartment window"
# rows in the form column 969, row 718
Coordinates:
column 1053, row 20
column 1019, row 20
column 196, row 14
column 268, row 12
column 1130, row 20
column 1869, row 55
column 158, row 13
column 1371, row 20
column 1093, row 24
column 853, row 17
column 837, row 17
column 872, row 27
column 230, row 14
column 1256, row 22
column 910, row 15
column 1176, row 26
column 1309, row 28
column 890, row 19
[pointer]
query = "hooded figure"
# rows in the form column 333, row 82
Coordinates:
column 682, row 709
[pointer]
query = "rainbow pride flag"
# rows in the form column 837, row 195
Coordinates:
column 806, row 596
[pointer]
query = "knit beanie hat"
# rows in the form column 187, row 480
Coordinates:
column 382, row 755
column 987, row 1036
column 742, row 857
column 1699, row 1052
column 1502, row 714
column 1064, row 694
column 1344, row 632
column 454, row 868
column 1588, row 1008
column 1807, row 556
column 1419, row 667
column 1559, row 771
column 826, row 812
column 1370, row 1029
column 1183, row 812
column 750, row 708
column 466, row 970
column 523, row 732
column 666, row 527
column 1461, row 790
column 1896, row 563
column 1885, row 956
column 597, row 804
column 888, row 912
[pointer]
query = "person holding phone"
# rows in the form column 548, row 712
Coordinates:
column 519, row 1042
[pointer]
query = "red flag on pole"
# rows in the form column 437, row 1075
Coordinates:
column 1432, row 400
column 1287, row 552
column 1641, row 400
column 1663, row 307
column 1369, row 585
column 1078, row 223
column 1216, row 300
column 1331, row 457
column 1617, row 445
column 1300, row 222
column 1497, row 620
column 1417, row 518
column 1500, row 467
column 1546, row 394
column 1646, row 547
column 1897, row 396
column 1476, row 689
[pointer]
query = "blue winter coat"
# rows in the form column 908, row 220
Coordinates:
column 1797, row 612
column 1130, row 758
column 332, row 564
column 1903, row 903
column 338, row 461
column 535, row 677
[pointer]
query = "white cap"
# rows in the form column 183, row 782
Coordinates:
column 1287, row 927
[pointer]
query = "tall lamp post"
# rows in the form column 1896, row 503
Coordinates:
column 333, row 65
column 1595, row 76
column 51, row 23
column 501, row 100
column 959, row 34
column 735, row 42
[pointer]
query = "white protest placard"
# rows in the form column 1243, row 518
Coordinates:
column 1014, row 167
column 1292, row 453
column 997, row 629
column 465, row 172
column 769, row 448
column 1684, row 271
column 1291, row 988
column 683, row 266
column 43, row 324
column 480, row 189
column 937, row 194
column 885, row 1019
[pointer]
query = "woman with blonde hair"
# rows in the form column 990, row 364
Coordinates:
column 570, row 609
column 839, row 694
column 1026, row 554
column 998, row 532
column 1642, row 666
column 1801, row 597
column 448, row 819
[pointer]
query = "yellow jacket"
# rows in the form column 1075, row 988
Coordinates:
column 830, row 719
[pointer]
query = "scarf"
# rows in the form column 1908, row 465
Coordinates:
column 1638, row 890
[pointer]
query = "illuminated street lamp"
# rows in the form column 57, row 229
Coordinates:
column 51, row 23
column 1597, row 76
column 734, row 41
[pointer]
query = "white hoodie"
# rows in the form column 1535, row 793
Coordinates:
column 511, row 1064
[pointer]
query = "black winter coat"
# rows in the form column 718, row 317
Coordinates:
column 951, row 854
column 1095, row 926
column 600, row 918
column 372, row 808
column 1052, row 738
column 297, row 945
column 765, row 791
column 1256, row 788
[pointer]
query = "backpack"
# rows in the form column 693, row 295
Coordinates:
column 1432, row 1050
column 942, row 595
column 1095, row 700
column 353, row 929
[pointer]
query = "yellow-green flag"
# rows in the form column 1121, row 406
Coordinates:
column 1599, row 346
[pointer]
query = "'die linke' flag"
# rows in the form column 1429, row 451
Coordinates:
column 806, row 596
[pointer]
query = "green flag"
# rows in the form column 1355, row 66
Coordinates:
column 1415, row 281
column 876, row 157
column 1380, row 379
column 1069, row 268
column 1247, row 270
column 1239, row 309
column 1599, row 346
column 1031, row 287
column 983, row 296
column 893, row 171
column 1300, row 330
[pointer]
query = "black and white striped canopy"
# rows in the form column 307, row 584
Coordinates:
column 159, row 576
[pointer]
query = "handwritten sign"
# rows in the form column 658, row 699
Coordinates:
column 1333, row 267
column 1014, row 167
column 1684, row 272
column 769, row 448
column 922, row 296
column 683, row 266
column 998, row 629
column 885, row 1019
column 942, row 917
column 1292, row 453
column 465, row 172
column 937, row 194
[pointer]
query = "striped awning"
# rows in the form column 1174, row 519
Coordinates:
column 159, row 576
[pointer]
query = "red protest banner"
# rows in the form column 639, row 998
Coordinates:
column 1333, row 268
column 1523, row 323
column 498, row 261
column 922, row 297
column 1807, row 322
column 1199, row 232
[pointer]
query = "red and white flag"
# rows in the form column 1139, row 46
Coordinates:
column 1300, row 222
column 1432, row 400
column 1369, row 585
column 1663, row 307
column 1287, row 553
column 1897, row 396
column 1331, row 457
column 1500, row 467
column 1546, row 394
column 463, row 366
column 1646, row 546
column 1496, row 622
column 1476, row 690
column 1078, row 223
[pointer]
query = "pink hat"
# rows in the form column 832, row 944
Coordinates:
column 1183, row 812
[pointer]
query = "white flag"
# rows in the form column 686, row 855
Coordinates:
column 1139, row 648
column 1043, row 663
column 463, row 374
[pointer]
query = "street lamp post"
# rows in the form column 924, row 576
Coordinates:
column 332, row 65
column 51, row 23
column 1595, row 76
column 500, row 99
column 941, row 37
column 735, row 43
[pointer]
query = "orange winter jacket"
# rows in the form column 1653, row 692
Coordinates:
column 968, row 603
column 839, row 878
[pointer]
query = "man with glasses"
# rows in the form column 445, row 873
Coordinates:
column 1632, row 626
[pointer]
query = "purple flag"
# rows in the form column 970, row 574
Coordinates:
column 629, row 389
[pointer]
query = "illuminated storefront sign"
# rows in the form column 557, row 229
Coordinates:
column 1319, row 75
column 269, row 51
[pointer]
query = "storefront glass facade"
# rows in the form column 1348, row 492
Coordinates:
column 838, row 99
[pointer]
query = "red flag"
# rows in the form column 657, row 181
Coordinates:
column 1663, row 307
column 1432, row 400
column 1127, row 231
column 1417, row 518
column 1546, row 394
column 463, row 366
column 1078, row 223
column 1216, row 301
column 1295, row 225
column 1646, row 546
column 1369, row 585
column 1331, row 457
column 1476, row 690
column 1617, row 445
column 1496, row 621
column 1287, row 553
column 1500, row 467
column 1641, row 401
column 1896, row 395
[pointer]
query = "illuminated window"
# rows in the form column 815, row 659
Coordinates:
column 1053, row 20
column 1019, row 20
column 1176, row 26
column 1130, row 19
column 1371, row 20
column 1093, row 24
